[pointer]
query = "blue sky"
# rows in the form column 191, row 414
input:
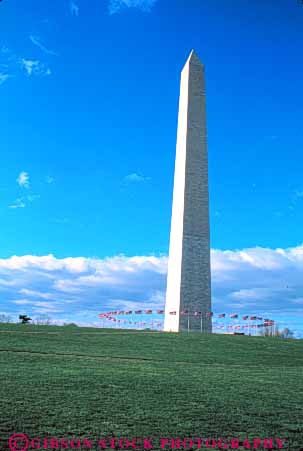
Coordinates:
column 89, row 102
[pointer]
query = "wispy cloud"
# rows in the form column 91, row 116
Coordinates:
column 49, row 179
column 23, row 179
column 297, row 196
column 19, row 203
column 22, row 302
column 34, row 67
column 134, row 177
column 12, row 63
column 74, row 8
column 32, row 197
column 116, row 5
column 36, row 40
column 35, row 294
column 3, row 77
column 62, row 220
column 299, row 193
column 4, row 49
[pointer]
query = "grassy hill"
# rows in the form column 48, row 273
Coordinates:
column 85, row 382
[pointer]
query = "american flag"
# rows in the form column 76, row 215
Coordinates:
column 172, row 313
column 148, row 312
column 102, row 315
column 234, row 315
column 160, row 312
column 221, row 315
column 138, row 312
column 269, row 322
column 245, row 317
column 184, row 312
column 253, row 318
column 209, row 314
column 198, row 313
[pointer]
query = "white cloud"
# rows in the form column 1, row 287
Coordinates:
column 23, row 179
column 80, row 265
column 134, row 177
column 30, row 66
column 116, row 5
column 34, row 67
column 19, row 203
column 259, row 281
column 36, row 40
column 74, row 8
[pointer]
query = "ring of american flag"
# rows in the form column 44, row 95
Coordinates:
column 126, row 318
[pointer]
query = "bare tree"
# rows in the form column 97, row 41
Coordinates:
column 268, row 331
column 286, row 333
column 274, row 331
column 43, row 320
column 5, row 318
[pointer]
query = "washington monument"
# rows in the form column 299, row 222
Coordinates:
column 188, row 281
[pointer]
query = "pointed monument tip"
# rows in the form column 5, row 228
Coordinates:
column 193, row 58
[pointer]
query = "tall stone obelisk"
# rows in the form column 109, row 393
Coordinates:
column 188, row 279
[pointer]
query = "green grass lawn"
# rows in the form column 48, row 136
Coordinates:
column 85, row 382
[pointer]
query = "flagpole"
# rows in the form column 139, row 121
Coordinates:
column 201, row 322
column 188, row 321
